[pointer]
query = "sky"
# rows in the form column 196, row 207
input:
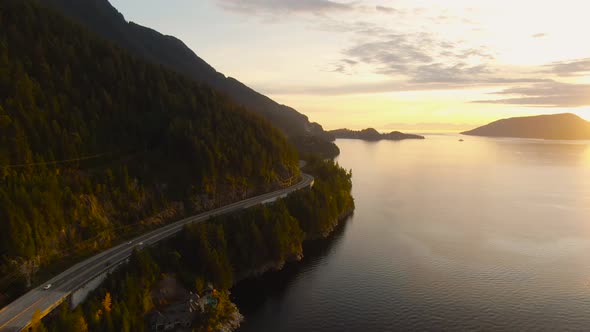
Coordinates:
column 414, row 65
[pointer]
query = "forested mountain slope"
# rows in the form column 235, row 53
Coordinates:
column 96, row 143
column 221, row 252
column 566, row 126
column 102, row 18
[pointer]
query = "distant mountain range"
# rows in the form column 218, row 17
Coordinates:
column 564, row 126
column 370, row 134
column 102, row 18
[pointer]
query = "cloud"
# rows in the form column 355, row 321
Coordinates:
column 350, row 62
column 419, row 57
column 388, row 10
column 442, row 73
column 569, row 68
column 363, row 29
column 547, row 94
column 285, row 6
column 426, row 61
column 421, row 126
column 389, row 86
column 340, row 68
column 344, row 66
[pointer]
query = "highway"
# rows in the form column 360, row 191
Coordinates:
column 17, row 315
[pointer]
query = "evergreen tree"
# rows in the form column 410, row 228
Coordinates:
column 96, row 144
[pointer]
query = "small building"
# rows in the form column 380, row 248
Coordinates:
column 175, row 316
column 181, row 314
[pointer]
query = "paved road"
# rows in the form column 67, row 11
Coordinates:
column 17, row 315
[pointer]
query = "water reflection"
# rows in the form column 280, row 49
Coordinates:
column 485, row 234
column 252, row 294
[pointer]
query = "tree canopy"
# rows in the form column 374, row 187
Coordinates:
column 96, row 143
column 220, row 251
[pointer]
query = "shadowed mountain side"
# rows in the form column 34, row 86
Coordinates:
column 102, row 18
column 371, row 134
column 565, row 126
column 97, row 145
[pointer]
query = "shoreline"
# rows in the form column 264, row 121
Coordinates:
column 279, row 265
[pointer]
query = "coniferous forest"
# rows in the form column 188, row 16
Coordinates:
column 220, row 251
column 96, row 145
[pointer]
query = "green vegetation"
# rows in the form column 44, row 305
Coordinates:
column 220, row 251
column 96, row 144
column 150, row 45
column 309, row 146
column 217, row 318
column 371, row 134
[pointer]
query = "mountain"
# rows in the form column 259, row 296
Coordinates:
column 96, row 144
column 565, row 126
column 102, row 18
column 370, row 134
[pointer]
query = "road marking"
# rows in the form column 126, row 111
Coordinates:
column 22, row 312
column 164, row 232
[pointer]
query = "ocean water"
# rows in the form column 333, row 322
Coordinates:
column 485, row 235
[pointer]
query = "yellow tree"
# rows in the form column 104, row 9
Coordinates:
column 106, row 302
column 36, row 325
column 98, row 315
column 80, row 325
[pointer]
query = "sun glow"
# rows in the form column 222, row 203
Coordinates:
column 377, row 62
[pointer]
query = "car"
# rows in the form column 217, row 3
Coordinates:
column 130, row 242
column 140, row 244
column 46, row 287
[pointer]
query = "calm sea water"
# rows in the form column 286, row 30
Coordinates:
column 486, row 234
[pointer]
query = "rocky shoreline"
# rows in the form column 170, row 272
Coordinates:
column 234, row 323
column 278, row 265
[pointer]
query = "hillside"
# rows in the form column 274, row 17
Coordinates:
column 565, row 126
column 96, row 144
column 220, row 252
column 370, row 134
column 102, row 18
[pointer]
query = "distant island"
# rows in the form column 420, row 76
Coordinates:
column 370, row 134
column 564, row 126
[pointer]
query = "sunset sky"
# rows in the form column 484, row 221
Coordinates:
column 392, row 64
